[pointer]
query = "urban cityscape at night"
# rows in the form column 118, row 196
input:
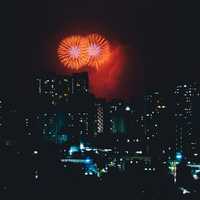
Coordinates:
column 69, row 132
column 97, row 103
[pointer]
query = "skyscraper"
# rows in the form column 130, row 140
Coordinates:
column 157, row 125
column 99, row 114
column 185, row 104
column 55, row 90
column 118, row 120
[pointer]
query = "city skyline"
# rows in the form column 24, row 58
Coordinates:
column 100, row 96
column 84, row 136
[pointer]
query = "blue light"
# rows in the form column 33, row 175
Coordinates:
column 179, row 156
column 73, row 149
column 88, row 160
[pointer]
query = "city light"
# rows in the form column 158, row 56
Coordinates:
column 35, row 152
column 138, row 152
column 127, row 108
column 82, row 146
column 73, row 149
column 88, row 160
column 179, row 156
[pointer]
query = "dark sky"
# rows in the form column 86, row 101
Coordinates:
column 163, row 34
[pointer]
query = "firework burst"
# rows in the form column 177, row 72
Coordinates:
column 98, row 50
column 72, row 52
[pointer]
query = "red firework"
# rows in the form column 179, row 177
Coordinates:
column 98, row 50
column 72, row 52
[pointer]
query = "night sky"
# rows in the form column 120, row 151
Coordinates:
column 160, row 39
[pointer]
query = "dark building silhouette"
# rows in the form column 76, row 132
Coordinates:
column 56, row 90
column 186, row 101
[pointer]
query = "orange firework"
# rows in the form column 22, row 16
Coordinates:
column 72, row 52
column 98, row 50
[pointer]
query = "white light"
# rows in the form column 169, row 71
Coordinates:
column 185, row 191
column 35, row 152
column 74, row 52
column 127, row 108
column 103, row 170
column 107, row 150
column 195, row 177
column 93, row 50
column 138, row 152
column 81, row 146
column 70, row 152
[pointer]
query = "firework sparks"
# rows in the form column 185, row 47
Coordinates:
column 98, row 50
column 72, row 52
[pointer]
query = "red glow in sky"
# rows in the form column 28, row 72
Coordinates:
column 105, row 82
column 111, row 78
